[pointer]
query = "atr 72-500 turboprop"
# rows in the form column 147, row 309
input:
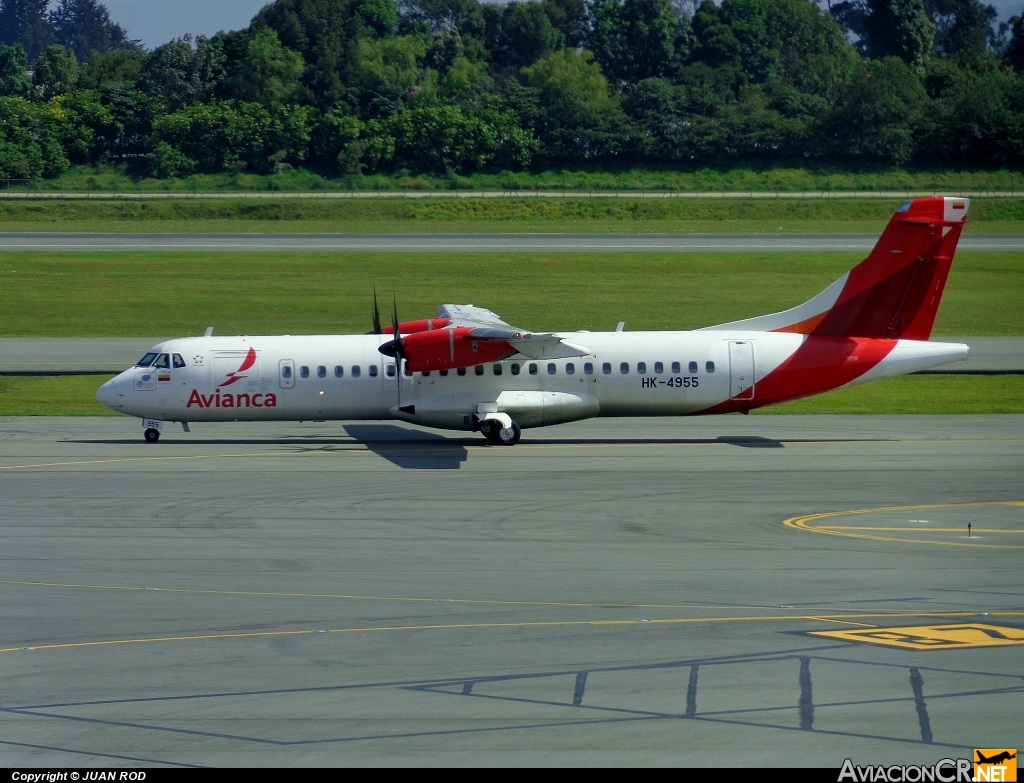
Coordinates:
column 468, row 370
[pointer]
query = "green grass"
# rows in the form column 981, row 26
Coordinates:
column 166, row 294
column 75, row 395
column 446, row 214
column 753, row 176
column 939, row 394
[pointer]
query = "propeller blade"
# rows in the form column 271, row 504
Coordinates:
column 377, row 329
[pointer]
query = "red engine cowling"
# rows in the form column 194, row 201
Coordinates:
column 423, row 325
column 446, row 349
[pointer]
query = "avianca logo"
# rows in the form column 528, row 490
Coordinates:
column 247, row 363
column 221, row 399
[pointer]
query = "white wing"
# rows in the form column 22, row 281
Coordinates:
column 489, row 326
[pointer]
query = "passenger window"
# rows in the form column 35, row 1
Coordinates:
column 178, row 361
column 552, row 369
column 676, row 368
column 321, row 372
column 659, row 368
column 426, row 373
column 497, row 369
column 390, row 370
column 286, row 371
column 606, row 368
column 461, row 371
column 641, row 367
column 405, row 370
column 588, row 368
column 373, row 370
column 533, row 368
column 710, row 366
column 624, row 368
column 443, row 373
column 356, row 371
column 162, row 361
column 570, row 368
column 304, row 371
column 339, row 371
column 693, row 367
column 514, row 368
column 479, row 369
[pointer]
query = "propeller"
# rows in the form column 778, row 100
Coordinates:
column 393, row 348
column 376, row 315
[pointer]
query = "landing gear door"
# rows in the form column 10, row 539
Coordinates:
column 741, row 370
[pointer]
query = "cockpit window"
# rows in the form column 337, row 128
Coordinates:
column 147, row 360
column 178, row 360
column 163, row 361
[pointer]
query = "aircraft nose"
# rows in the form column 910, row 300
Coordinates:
column 109, row 395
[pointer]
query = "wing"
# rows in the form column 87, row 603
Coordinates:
column 487, row 326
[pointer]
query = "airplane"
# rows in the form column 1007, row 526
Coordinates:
column 469, row 370
column 996, row 759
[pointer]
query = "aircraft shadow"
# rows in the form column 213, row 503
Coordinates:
column 410, row 449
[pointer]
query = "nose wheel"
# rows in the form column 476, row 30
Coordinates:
column 152, row 435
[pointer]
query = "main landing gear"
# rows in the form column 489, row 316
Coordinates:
column 500, row 435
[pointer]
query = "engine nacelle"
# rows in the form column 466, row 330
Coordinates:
column 423, row 325
column 447, row 349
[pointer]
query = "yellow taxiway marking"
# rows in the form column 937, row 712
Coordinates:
column 933, row 637
column 967, row 538
column 819, row 615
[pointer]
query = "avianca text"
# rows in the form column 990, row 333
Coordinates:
column 227, row 400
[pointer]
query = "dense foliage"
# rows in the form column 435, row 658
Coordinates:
column 461, row 86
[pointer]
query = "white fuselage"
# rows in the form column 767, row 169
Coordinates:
column 331, row 377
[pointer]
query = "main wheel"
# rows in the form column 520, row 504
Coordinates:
column 490, row 430
column 152, row 435
column 509, row 436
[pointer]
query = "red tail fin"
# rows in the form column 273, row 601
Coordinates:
column 895, row 292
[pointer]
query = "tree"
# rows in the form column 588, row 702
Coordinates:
column 518, row 34
column 571, row 109
column 183, row 74
column 964, row 28
column 385, row 73
column 84, row 26
column 1014, row 54
column 716, row 46
column 978, row 118
column 115, row 66
column 28, row 146
column 267, row 72
column 634, row 39
column 26, row 22
column 14, row 78
column 325, row 33
column 56, row 72
column 899, row 28
column 876, row 115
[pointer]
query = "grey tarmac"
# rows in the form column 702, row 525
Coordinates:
column 611, row 593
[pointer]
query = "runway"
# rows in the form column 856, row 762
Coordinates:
column 733, row 591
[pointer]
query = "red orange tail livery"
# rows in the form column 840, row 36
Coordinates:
column 467, row 369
